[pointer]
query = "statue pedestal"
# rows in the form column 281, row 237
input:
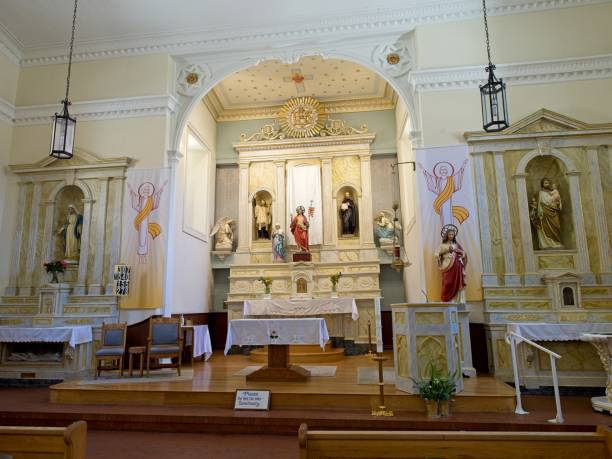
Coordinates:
column 424, row 333
column 302, row 256
column 52, row 298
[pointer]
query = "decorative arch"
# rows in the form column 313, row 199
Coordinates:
column 543, row 150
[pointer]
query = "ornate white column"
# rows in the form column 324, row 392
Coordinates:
column 242, row 250
column 329, row 214
column 115, row 238
column 48, row 233
column 531, row 275
column 601, row 226
column 17, row 240
column 366, row 231
column 80, row 288
column 97, row 287
column 583, row 264
column 280, row 215
column 489, row 277
column 31, row 265
column 511, row 277
column 174, row 157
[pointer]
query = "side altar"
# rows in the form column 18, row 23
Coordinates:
column 313, row 173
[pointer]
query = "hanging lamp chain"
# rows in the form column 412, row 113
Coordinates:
column 71, row 48
column 486, row 24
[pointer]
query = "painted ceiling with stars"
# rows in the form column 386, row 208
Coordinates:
column 271, row 83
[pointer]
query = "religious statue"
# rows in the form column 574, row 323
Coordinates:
column 144, row 202
column 71, row 231
column 224, row 235
column 262, row 219
column 348, row 212
column 545, row 210
column 452, row 260
column 278, row 244
column 384, row 228
column 299, row 229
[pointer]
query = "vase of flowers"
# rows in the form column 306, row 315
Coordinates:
column 437, row 391
column 54, row 267
column 267, row 282
column 334, row 278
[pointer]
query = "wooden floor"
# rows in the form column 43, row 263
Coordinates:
column 214, row 385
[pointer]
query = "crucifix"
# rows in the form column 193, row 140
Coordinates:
column 298, row 78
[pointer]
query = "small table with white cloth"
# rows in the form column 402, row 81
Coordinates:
column 278, row 334
column 198, row 338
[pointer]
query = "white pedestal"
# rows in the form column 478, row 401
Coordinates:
column 603, row 344
column 53, row 297
column 422, row 333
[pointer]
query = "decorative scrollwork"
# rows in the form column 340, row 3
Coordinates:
column 339, row 127
column 267, row 132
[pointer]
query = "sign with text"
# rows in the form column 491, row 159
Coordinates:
column 252, row 400
column 121, row 280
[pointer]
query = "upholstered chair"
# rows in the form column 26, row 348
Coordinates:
column 165, row 340
column 112, row 348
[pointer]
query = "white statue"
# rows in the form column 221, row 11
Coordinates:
column 262, row 219
column 71, row 231
column 224, row 235
column 384, row 228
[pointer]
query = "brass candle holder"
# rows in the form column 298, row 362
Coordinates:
column 370, row 353
column 381, row 410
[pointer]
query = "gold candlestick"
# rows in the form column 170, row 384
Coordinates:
column 382, row 410
column 370, row 353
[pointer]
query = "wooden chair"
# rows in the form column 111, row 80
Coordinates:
column 165, row 340
column 113, row 347
column 48, row 442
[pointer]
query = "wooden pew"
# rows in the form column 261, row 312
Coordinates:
column 44, row 442
column 454, row 445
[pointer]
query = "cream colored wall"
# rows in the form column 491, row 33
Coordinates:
column 9, row 75
column 543, row 35
column 192, row 279
column 447, row 115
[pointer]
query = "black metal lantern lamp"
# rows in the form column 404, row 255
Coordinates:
column 493, row 92
column 62, row 137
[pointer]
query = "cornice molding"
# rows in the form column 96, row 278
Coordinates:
column 325, row 29
column 7, row 111
column 9, row 46
column 129, row 107
column 554, row 71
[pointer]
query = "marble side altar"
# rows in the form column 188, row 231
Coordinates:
column 603, row 344
column 424, row 333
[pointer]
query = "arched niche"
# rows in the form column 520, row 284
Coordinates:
column 259, row 197
column 69, row 196
column 549, row 168
column 340, row 197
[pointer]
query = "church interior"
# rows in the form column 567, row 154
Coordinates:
column 360, row 230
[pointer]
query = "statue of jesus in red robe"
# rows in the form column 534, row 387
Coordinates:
column 299, row 228
column 452, row 260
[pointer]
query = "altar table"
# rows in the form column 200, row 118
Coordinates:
column 74, row 336
column 557, row 332
column 278, row 334
column 301, row 307
column 603, row 344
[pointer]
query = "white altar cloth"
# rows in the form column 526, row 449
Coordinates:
column 201, row 341
column 78, row 334
column 259, row 332
column 304, row 307
column 557, row 332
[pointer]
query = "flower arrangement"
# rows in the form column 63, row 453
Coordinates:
column 54, row 267
column 267, row 281
column 334, row 278
column 437, row 390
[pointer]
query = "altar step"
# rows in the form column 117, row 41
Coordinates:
column 303, row 353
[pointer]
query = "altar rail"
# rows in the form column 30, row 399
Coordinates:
column 48, row 442
column 454, row 445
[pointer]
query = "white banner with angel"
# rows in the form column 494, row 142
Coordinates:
column 446, row 200
column 144, row 236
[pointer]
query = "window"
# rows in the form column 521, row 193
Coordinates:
column 197, row 184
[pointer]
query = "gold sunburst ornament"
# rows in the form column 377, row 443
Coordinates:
column 302, row 117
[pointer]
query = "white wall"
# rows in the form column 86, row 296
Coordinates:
column 192, row 272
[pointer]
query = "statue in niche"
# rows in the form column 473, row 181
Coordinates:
column 278, row 244
column 384, row 228
column 263, row 219
column 71, row 232
column 348, row 213
column 299, row 229
column 545, row 210
column 224, row 235
column 452, row 260
column 301, row 285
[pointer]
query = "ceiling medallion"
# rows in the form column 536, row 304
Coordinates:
column 393, row 58
column 302, row 117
